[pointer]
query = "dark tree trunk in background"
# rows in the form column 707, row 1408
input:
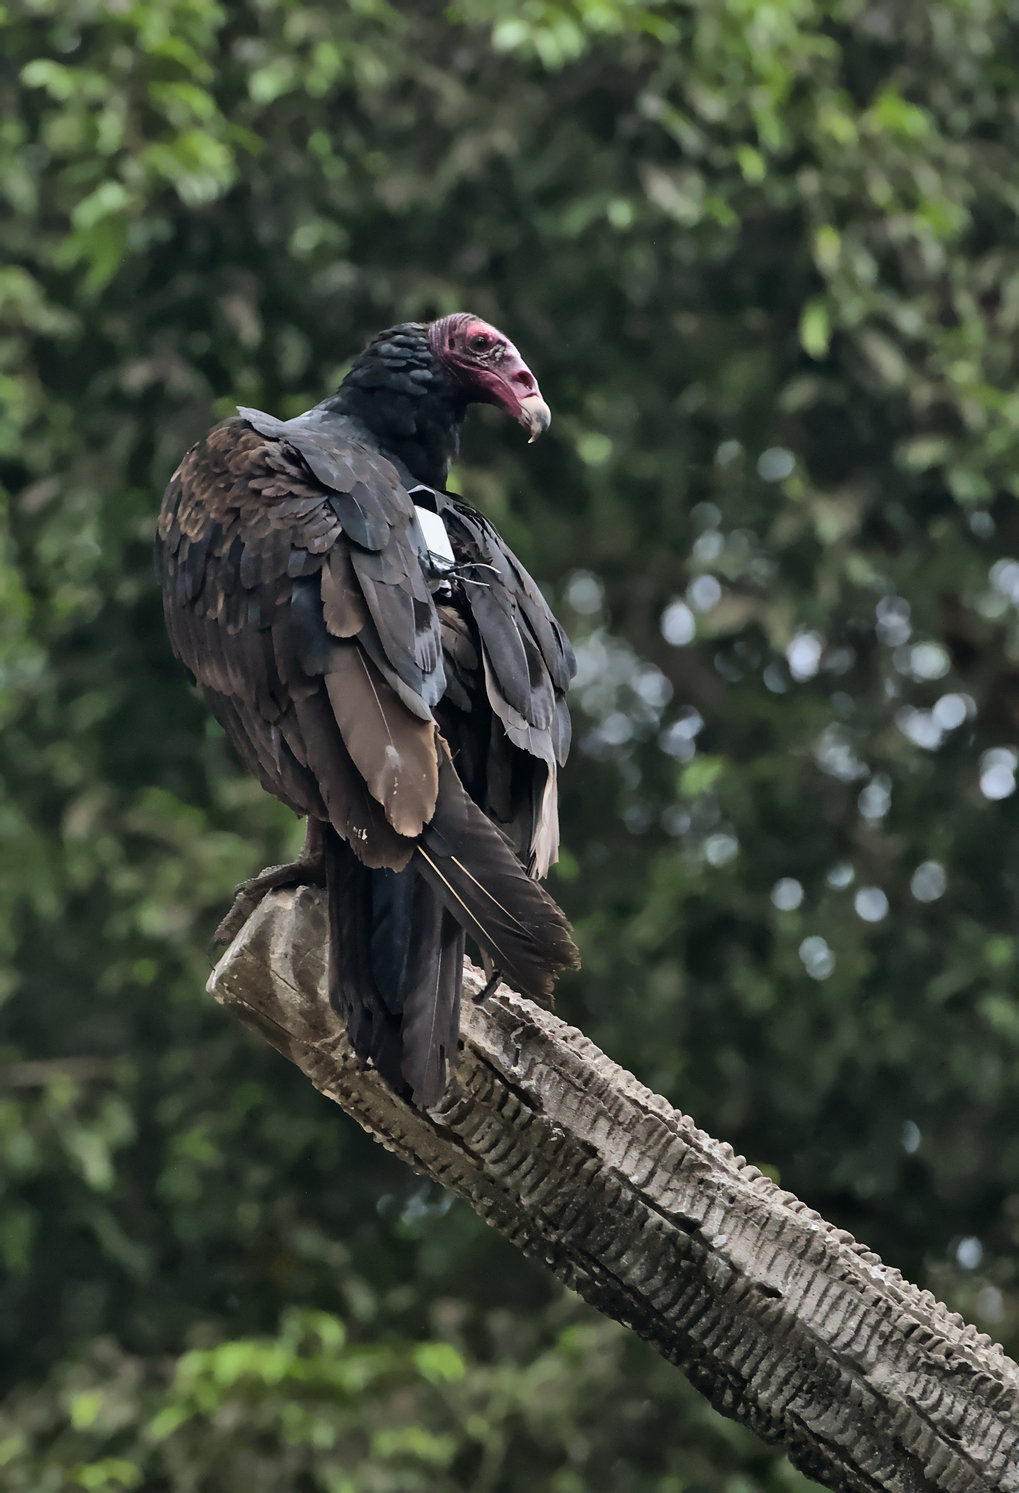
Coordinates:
column 782, row 1320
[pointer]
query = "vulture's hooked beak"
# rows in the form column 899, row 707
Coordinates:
column 535, row 416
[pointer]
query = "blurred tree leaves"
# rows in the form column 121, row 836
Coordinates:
column 764, row 260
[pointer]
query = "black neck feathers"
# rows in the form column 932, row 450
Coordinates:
column 398, row 390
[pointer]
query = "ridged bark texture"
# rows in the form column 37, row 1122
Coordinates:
column 783, row 1321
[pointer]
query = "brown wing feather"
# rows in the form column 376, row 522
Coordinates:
column 393, row 750
column 353, row 812
column 343, row 605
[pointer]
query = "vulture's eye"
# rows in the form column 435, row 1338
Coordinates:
column 480, row 342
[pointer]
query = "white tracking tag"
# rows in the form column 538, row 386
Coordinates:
column 435, row 537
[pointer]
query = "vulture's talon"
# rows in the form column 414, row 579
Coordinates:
column 490, row 986
column 307, row 870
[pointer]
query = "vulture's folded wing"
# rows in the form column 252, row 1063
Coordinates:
column 527, row 664
column 294, row 593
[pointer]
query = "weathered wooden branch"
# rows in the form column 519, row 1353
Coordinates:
column 782, row 1320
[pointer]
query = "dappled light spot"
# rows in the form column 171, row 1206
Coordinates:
column 676, row 744
column 424, row 1203
column 840, row 660
column 652, row 686
column 920, row 727
column 835, row 756
column 786, row 894
column 876, row 799
column 951, row 710
column 720, row 849
column 871, row 904
column 638, row 818
column 910, row 1137
column 584, row 593
column 678, row 626
column 708, row 546
column 775, row 464
column 928, row 881
column 594, row 448
column 706, row 515
column 997, row 772
column 704, row 592
column 817, row 956
column 678, row 737
column 1004, row 577
column 840, row 876
column 969, row 1252
column 990, row 1304
column 675, row 821
column 928, row 661
column 615, row 729
column 804, row 655
column 893, row 620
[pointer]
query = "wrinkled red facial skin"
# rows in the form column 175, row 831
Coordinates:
column 485, row 364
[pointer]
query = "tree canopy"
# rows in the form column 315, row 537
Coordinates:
column 764, row 261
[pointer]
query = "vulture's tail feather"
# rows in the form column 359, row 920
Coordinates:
column 395, row 971
column 473, row 870
column 373, row 1028
column 431, row 1012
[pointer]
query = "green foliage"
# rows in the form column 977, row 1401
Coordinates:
column 763, row 259
column 307, row 1408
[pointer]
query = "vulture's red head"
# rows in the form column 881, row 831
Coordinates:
column 487, row 368
column 412, row 384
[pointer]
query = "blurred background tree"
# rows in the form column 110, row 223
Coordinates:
column 764, row 259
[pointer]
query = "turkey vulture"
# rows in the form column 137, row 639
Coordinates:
column 386, row 666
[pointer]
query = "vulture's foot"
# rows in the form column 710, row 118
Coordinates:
column 308, row 870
